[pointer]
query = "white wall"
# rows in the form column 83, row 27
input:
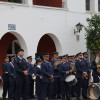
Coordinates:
column 76, row 5
column 32, row 22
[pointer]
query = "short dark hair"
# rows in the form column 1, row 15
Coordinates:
column 20, row 50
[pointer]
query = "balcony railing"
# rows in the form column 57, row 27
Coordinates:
column 50, row 3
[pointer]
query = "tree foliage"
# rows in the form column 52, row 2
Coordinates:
column 93, row 33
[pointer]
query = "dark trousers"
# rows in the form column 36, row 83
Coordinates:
column 47, row 88
column 30, row 87
column 78, row 87
column 21, row 88
column 5, row 86
column 73, row 90
column 11, row 94
column 84, row 87
column 56, row 87
column 95, row 79
column 65, row 91
column 39, row 90
column 81, row 83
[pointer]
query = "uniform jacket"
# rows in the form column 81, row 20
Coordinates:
column 38, row 73
column 79, row 68
column 20, row 66
column 47, row 71
column 63, row 69
column 86, row 67
column 94, row 68
column 55, row 69
column 30, row 69
column 5, row 67
column 11, row 70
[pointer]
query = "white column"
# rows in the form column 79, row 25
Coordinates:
column 96, row 5
column 92, row 5
column 30, row 2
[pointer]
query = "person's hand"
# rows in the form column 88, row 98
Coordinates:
column 25, row 73
column 40, row 77
column 74, row 73
column 85, row 74
column 70, row 71
column 51, row 77
column 98, row 66
column 67, row 72
column 33, row 75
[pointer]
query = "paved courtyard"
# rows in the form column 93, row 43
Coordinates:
column 31, row 99
column 54, row 99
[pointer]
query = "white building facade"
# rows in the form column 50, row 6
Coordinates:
column 25, row 24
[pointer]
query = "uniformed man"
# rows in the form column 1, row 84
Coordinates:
column 30, row 79
column 64, row 71
column 80, row 75
column 12, row 77
column 85, row 80
column 47, row 81
column 21, row 76
column 95, row 74
column 95, row 66
column 59, row 58
column 38, row 74
column 56, row 83
column 5, row 76
column 73, row 68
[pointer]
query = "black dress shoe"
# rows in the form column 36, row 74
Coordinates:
column 78, row 99
column 58, row 97
column 86, row 98
column 32, row 96
column 54, row 97
column 4, row 98
column 73, row 95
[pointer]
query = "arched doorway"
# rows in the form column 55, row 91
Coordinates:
column 48, row 44
column 9, row 44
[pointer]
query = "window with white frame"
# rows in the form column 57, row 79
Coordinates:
column 87, row 5
column 15, row 1
column 13, row 47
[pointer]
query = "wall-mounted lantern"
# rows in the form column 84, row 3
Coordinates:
column 79, row 27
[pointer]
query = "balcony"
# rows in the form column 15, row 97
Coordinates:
column 50, row 3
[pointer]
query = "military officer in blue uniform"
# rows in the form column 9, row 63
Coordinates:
column 12, row 77
column 59, row 58
column 47, row 81
column 73, row 68
column 30, row 79
column 5, row 76
column 85, row 80
column 38, row 74
column 64, row 71
column 95, row 74
column 21, row 76
column 81, row 74
column 56, row 83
